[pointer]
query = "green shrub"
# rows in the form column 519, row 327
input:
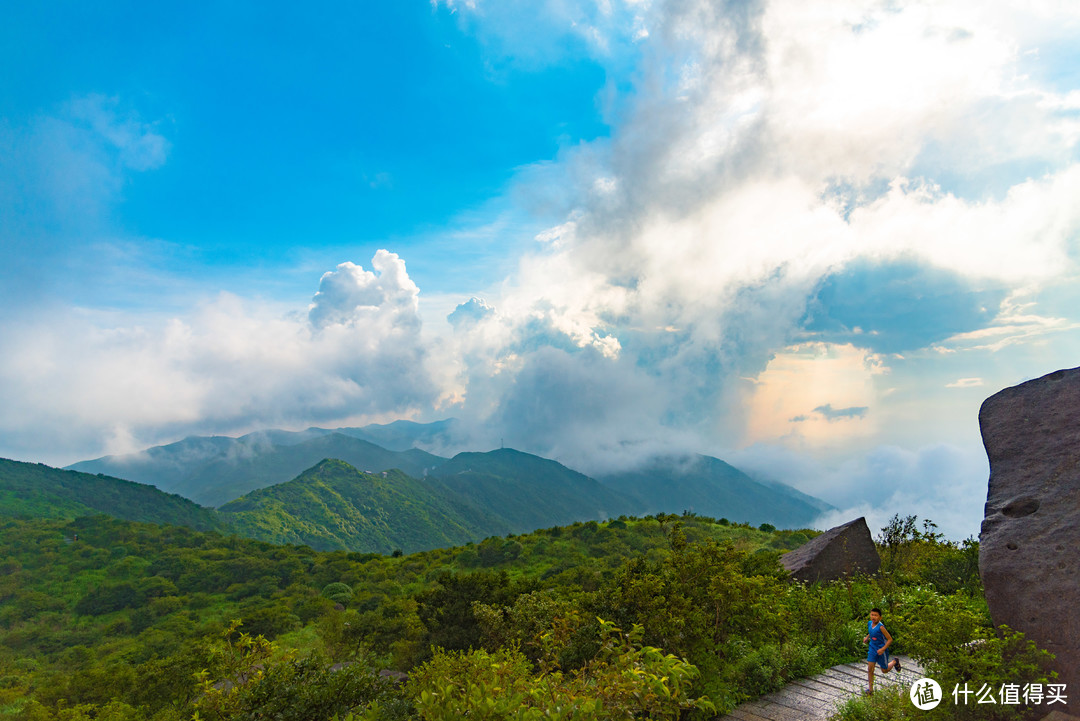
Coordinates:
column 624, row 680
column 338, row 593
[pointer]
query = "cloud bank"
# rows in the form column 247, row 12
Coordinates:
column 233, row 364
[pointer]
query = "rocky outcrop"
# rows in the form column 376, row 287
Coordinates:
column 1031, row 527
column 839, row 552
column 1060, row 716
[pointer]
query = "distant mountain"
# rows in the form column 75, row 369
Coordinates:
column 528, row 491
column 215, row 470
column 403, row 435
column 491, row 493
column 33, row 490
column 710, row 487
column 335, row 506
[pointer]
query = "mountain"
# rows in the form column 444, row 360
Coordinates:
column 517, row 491
column 528, row 491
column 403, row 435
column 710, row 487
column 33, row 490
column 335, row 506
column 215, row 470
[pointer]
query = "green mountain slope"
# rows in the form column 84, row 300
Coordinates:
column 335, row 506
column 711, row 487
column 213, row 471
column 528, row 491
column 32, row 490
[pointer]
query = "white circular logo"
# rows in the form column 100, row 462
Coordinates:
column 925, row 694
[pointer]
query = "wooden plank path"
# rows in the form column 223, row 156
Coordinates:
column 817, row 698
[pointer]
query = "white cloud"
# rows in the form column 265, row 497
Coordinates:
column 351, row 295
column 61, row 176
column 767, row 147
column 940, row 482
column 537, row 35
column 231, row 366
column 136, row 143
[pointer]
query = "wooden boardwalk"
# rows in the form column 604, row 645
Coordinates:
column 817, row 698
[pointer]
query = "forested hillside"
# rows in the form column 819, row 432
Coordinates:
column 136, row 621
column 711, row 487
column 523, row 490
column 335, row 506
column 33, row 490
column 213, row 471
column 529, row 491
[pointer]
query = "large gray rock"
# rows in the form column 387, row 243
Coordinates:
column 1056, row 715
column 1031, row 528
column 839, row 552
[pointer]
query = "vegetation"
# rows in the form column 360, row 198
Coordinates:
column 940, row 618
column 33, row 490
column 529, row 491
column 216, row 470
column 510, row 490
column 711, row 487
column 334, row 506
column 658, row 617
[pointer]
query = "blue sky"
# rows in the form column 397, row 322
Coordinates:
column 287, row 137
column 807, row 237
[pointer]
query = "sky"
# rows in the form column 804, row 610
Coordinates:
column 808, row 237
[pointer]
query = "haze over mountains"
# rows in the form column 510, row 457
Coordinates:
column 215, row 470
column 339, row 489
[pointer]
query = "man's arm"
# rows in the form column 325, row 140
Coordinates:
column 888, row 639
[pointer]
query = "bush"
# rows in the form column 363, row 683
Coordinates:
column 769, row 668
column 270, row 621
column 624, row 680
column 304, row 690
column 338, row 593
column 109, row 597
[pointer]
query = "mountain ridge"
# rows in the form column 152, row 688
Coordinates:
column 39, row 491
column 475, row 494
column 223, row 469
column 334, row 506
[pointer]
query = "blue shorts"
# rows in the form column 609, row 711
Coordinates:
column 881, row 659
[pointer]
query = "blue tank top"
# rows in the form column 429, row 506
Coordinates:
column 877, row 637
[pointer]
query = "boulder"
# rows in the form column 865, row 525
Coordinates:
column 1031, row 525
column 1056, row 715
column 839, row 552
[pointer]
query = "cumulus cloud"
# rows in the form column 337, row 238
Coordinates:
column 352, row 295
column 233, row 365
column 470, row 312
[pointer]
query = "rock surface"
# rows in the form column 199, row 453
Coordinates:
column 1060, row 716
column 1031, row 526
column 838, row 552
